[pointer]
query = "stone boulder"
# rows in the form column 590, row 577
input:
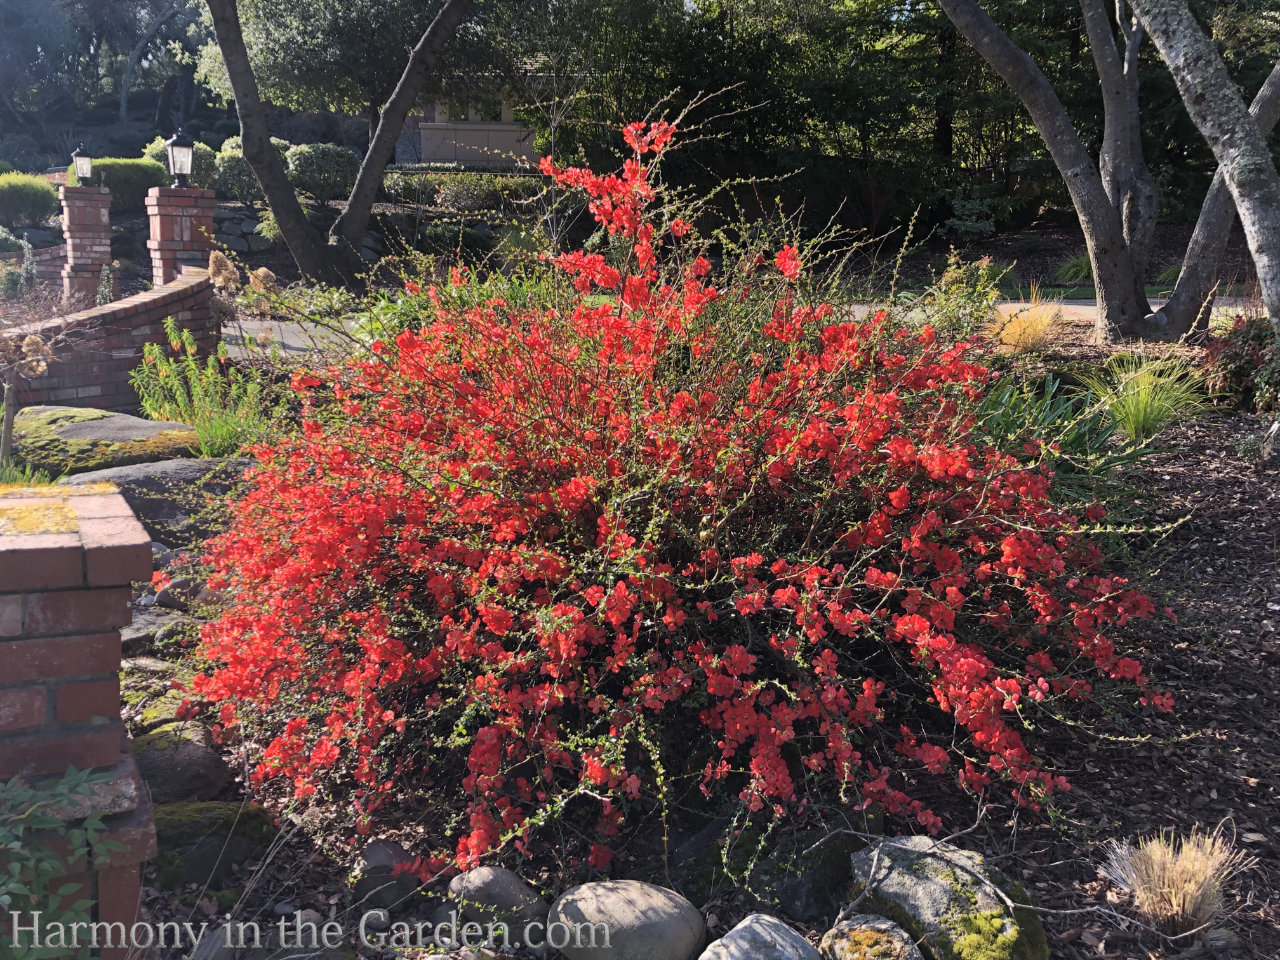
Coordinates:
column 800, row 874
column 761, row 937
column 75, row 440
column 864, row 936
column 179, row 762
column 181, row 503
column 377, row 885
column 203, row 843
column 642, row 921
column 945, row 898
column 497, row 895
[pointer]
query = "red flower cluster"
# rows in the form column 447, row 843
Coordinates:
column 544, row 551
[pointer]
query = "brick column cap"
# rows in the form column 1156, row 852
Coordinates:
column 70, row 537
column 83, row 193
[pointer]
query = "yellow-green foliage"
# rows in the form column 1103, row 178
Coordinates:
column 128, row 179
column 1143, row 394
column 25, row 198
column 227, row 408
column 985, row 936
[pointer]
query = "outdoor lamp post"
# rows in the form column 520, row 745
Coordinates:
column 83, row 164
column 181, row 151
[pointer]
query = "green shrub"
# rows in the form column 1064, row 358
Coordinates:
column 32, row 834
column 233, row 178
column 128, row 178
column 1243, row 364
column 226, row 407
column 326, row 171
column 460, row 191
column 203, row 169
column 1142, row 395
column 235, row 144
column 8, row 242
column 451, row 240
column 1169, row 275
column 25, row 198
column 1075, row 271
column 963, row 300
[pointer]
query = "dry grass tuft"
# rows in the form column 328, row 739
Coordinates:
column 1031, row 327
column 1177, row 884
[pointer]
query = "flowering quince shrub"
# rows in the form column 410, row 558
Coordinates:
column 546, row 554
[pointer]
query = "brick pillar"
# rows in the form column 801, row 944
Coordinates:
column 67, row 558
column 181, row 230
column 86, row 224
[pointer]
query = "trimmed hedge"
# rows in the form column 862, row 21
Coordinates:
column 326, row 171
column 234, row 144
column 128, row 179
column 25, row 198
column 461, row 191
column 203, row 169
column 233, row 178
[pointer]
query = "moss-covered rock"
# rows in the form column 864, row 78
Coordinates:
column 66, row 440
column 201, row 842
column 868, row 937
column 943, row 897
column 178, row 762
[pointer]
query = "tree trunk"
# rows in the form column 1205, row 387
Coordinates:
column 1119, row 311
column 349, row 229
column 139, row 48
column 944, row 132
column 9, row 402
column 1192, row 300
column 305, row 243
column 1125, row 175
column 1222, row 119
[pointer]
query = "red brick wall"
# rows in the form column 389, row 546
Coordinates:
column 49, row 262
column 66, row 563
column 95, row 349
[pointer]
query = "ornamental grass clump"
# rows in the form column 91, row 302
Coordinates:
column 1178, row 883
column 1143, row 395
column 568, row 557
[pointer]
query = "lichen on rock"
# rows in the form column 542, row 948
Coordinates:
column 946, row 898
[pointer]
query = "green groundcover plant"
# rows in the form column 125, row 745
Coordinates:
column 539, row 556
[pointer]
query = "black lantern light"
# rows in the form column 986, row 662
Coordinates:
column 181, row 150
column 83, row 165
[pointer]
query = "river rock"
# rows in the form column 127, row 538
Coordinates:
column 497, row 895
column 378, row 886
column 761, row 937
column 942, row 897
column 864, row 936
column 75, row 440
column 178, row 762
column 643, row 922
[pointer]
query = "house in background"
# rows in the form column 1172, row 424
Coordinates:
column 475, row 135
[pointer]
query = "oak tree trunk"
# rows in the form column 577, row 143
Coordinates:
column 1192, row 300
column 306, row 244
column 1220, row 115
column 349, row 229
column 1120, row 309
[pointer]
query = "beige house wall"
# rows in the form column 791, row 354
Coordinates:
column 475, row 142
